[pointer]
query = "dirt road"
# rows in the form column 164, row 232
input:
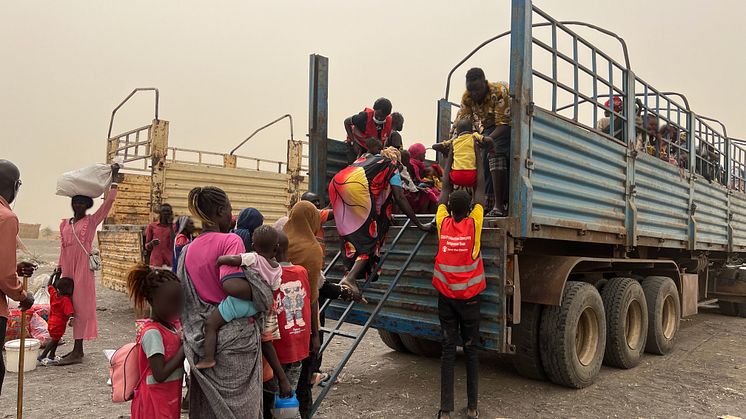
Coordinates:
column 704, row 377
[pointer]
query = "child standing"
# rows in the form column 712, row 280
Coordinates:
column 60, row 312
column 464, row 170
column 293, row 306
column 158, row 394
column 459, row 278
column 264, row 242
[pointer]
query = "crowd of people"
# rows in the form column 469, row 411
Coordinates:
column 240, row 301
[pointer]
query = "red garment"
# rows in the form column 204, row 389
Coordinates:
column 160, row 400
column 163, row 253
column 293, row 305
column 465, row 178
column 371, row 130
column 60, row 310
column 457, row 274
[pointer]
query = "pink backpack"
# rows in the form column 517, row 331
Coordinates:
column 125, row 372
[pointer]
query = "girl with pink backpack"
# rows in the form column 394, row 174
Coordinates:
column 160, row 355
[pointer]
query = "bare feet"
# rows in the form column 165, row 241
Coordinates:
column 205, row 364
column 351, row 285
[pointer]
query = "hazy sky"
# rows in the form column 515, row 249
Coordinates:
column 227, row 68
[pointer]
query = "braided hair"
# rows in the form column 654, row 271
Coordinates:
column 143, row 281
column 204, row 203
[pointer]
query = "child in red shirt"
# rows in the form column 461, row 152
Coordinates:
column 60, row 312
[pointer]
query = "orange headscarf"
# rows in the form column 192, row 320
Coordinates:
column 303, row 249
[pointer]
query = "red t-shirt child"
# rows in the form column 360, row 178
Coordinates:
column 60, row 310
column 293, row 305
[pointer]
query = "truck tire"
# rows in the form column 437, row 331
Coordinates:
column 664, row 311
column 420, row 346
column 527, row 358
column 572, row 336
column 392, row 340
column 626, row 322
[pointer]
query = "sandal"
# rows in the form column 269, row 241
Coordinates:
column 441, row 413
column 475, row 416
column 494, row 213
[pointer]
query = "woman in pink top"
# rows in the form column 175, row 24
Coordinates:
column 76, row 235
column 233, row 387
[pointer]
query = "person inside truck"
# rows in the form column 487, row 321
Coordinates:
column 361, row 196
column 375, row 123
column 397, row 125
column 488, row 106
column 604, row 124
column 459, row 277
column 159, row 239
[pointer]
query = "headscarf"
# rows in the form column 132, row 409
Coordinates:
column 617, row 104
column 392, row 153
column 249, row 219
column 181, row 223
column 303, row 249
column 417, row 153
column 82, row 199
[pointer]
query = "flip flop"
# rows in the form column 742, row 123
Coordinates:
column 67, row 361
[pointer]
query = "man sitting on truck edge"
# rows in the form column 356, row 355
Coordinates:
column 376, row 123
column 459, row 278
column 488, row 106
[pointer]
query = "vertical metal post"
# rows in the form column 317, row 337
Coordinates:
column 318, row 114
column 631, row 141
column 521, row 107
column 444, row 120
column 159, row 148
column 692, row 150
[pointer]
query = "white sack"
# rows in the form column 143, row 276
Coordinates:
column 90, row 181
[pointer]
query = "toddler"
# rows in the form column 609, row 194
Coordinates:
column 60, row 312
column 464, row 166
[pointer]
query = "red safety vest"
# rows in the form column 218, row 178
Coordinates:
column 371, row 130
column 457, row 275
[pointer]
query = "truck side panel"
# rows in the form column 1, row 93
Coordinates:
column 738, row 210
column 263, row 190
column 132, row 205
column 711, row 214
column 578, row 177
column 412, row 308
column 662, row 200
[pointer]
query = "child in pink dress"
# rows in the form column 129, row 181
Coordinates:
column 158, row 394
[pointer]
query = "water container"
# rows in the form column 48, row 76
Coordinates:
column 286, row 408
column 13, row 349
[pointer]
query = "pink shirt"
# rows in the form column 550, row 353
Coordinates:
column 201, row 263
column 9, row 283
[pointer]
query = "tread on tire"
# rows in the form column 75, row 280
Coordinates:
column 572, row 336
column 664, row 312
column 626, row 322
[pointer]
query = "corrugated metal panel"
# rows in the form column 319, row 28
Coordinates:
column 412, row 308
column 337, row 157
column 711, row 214
column 738, row 209
column 662, row 199
column 265, row 191
column 121, row 248
column 578, row 178
column 132, row 205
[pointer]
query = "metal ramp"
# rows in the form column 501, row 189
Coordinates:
column 332, row 332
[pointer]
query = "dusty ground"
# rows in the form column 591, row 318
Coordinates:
column 704, row 377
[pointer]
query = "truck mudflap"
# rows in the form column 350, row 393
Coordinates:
column 412, row 307
column 543, row 277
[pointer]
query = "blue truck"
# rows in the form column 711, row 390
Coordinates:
column 605, row 246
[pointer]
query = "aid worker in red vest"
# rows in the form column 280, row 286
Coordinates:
column 376, row 123
column 459, row 278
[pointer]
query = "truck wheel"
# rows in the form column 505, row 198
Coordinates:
column 392, row 340
column 572, row 336
column 527, row 358
column 626, row 322
column 664, row 311
column 422, row 347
